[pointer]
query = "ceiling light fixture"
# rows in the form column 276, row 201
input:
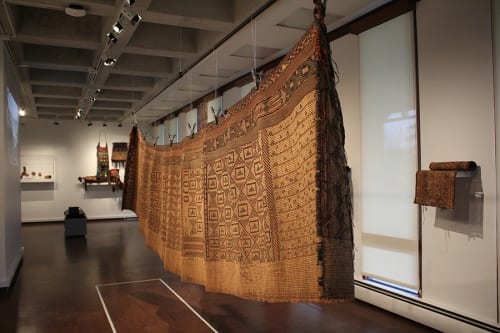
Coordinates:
column 78, row 114
column 22, row 112
column 130, row 2
column 111, row 37
column 131, row 14
column 136, row 19
column 117, row 27
column 120, row 124
column 104, row 124
column 92, row 99
column 56, row 123
column 75, row 10
column 109, row 62
column 89, row 123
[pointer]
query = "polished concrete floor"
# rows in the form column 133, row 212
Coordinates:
column 55, row 290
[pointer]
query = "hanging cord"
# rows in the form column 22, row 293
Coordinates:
column 217, row 113
column 105, row 138
column 180, row 50
column 254, row 44
column 257, row 76
column 180, row 40
column 190, row 83
column 214, row 52
column 133, row 112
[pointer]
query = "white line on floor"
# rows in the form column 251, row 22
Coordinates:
column 106, row 310
column 149, row 280
column 127, row 282
column 189, row 306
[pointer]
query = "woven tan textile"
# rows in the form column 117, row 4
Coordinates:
column 435, row 188
column 258, row 205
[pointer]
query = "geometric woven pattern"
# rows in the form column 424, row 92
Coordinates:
column 257, row 205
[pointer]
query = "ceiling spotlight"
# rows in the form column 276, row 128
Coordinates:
column 22, row 112
column 111, row 37
column 92, row 99
column 109, row 62
column 135, row 19
column 56, row 123
column 104, row 124
column 98, row 90
column 130, row 2
column 120, row 124
column 117, row 27
column 89, row 123
column 75, row 10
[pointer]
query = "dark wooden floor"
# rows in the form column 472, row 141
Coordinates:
column 55, row 289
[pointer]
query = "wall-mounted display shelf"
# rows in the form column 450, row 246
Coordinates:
column 37, row 169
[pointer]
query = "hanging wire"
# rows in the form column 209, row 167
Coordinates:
column 254, row 43
column 133, row 112
column 190, row 83
column 180, row 40
column 257, row 76
column 214, row 52
column 180, row 49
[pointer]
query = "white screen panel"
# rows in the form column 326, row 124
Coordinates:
column 389, row 150
column 173, row 130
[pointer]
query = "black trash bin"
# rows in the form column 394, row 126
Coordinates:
column 75, row 222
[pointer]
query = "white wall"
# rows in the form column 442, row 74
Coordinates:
column 458, row 120
column 231, row 97
column 73, row 146
column 11, row 249
column 458, row 123
column 496, row 63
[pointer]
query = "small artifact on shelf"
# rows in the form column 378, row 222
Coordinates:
column 24, row 173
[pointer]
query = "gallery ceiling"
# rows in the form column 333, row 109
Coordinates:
column 118, row 60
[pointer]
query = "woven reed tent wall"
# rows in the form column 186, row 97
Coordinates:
column 257, row 205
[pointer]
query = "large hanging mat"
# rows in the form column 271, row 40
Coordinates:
column 258, row 205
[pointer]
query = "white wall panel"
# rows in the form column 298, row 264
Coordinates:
column 457, row 123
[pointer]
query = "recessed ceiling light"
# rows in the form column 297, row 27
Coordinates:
column 109, row 62
column 111, row 37
column 117, row 27
column 135, row 19
column 22, row 112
